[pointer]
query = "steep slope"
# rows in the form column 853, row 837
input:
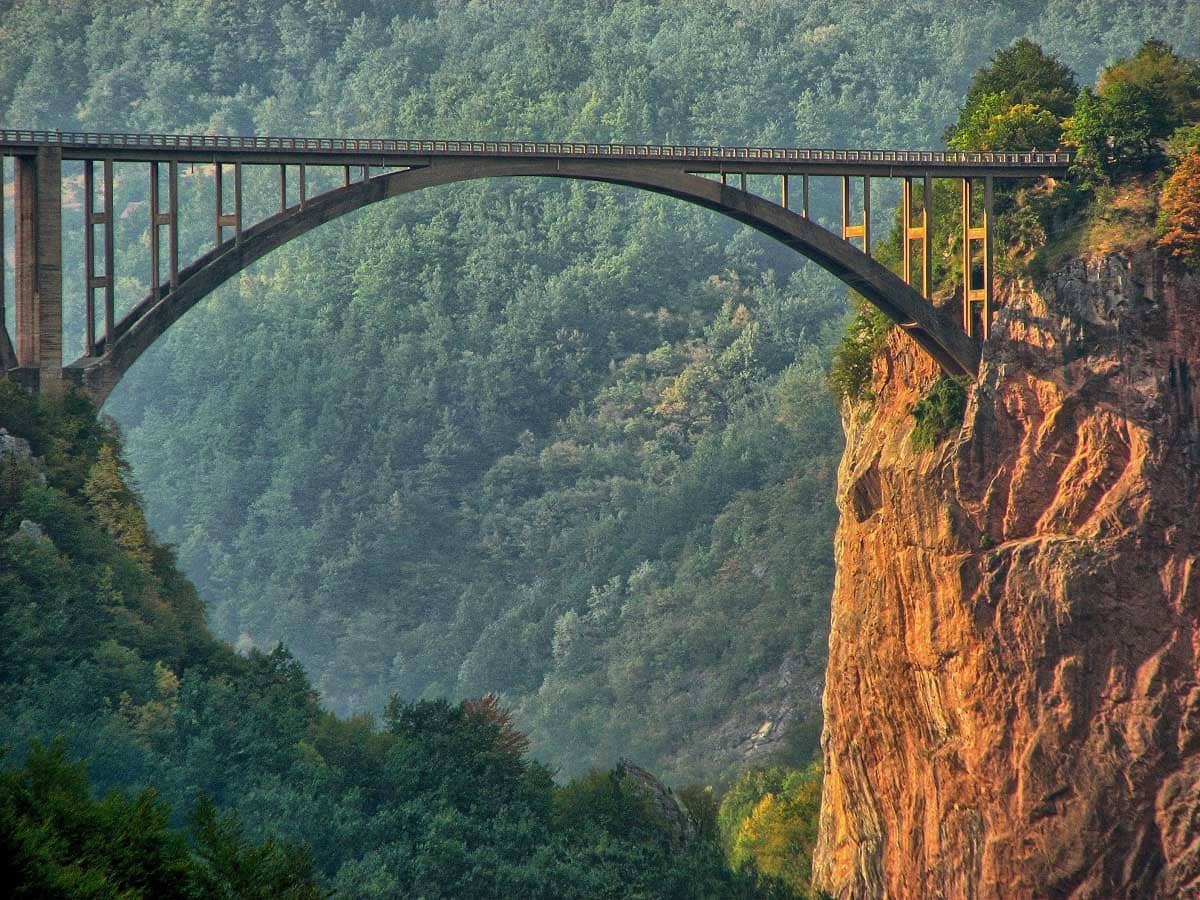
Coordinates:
column 1012, row 703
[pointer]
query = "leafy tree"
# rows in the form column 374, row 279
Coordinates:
column 769, row 820
column 1021, row 75
column 1119, row 131
column 850, row 374
column 1172, row 78
column 1027, row 74
column 995, row 123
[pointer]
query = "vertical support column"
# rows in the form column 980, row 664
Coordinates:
column 109, row 281
column 89, row 255
column 229, row 220
column 39, row 263
column 283, row 189
column 968, row 320
column 866, row 224
column 973, row 235
column 906, row 229
column 173, row 225
column 345, row 176
column 804, row 196
column 988, row 281
column 927, row 244
column 3, row 323
column 237, row 202
column 218, row 179
column 744, row 182
column 303, row 187
column 783, row 191
column 155, row 266
column 845, row 207
column 977, row 235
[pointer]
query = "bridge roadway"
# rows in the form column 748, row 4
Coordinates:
column 386, row 153
column 390, row 168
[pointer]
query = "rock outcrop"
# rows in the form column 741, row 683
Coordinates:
column 1013, row 692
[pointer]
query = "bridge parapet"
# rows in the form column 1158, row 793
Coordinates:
column 12, row 140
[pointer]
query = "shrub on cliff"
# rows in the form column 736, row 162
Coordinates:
column 939, row 413
column 850, row 372
column 1180, row 211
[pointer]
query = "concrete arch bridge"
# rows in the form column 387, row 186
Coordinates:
column 376, row 169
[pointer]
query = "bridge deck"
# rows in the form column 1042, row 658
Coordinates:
column 401, row 153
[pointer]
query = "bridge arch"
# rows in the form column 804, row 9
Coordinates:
column 935, row 331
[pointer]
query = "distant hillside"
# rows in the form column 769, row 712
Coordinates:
column 106, row 658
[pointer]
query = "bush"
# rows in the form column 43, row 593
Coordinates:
column 850, row 372
column 768, row 821
column 1180, row 211
column 939, row 412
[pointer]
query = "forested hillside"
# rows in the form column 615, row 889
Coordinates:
column 219, row 774
column 565, row 442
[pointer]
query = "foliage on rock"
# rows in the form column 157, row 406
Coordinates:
column 939, row 413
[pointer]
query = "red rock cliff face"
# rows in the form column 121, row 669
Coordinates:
column 1013, row 693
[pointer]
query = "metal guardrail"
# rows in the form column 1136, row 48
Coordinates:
column 102, row 141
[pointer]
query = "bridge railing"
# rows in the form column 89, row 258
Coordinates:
column 102, row 141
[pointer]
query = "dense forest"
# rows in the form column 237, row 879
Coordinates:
column 564, row 442
column 506, row 472
column 220, row 774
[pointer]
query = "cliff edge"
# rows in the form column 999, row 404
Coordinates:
column 1012, row 698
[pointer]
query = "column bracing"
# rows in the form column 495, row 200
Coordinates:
column 916, row 233
column 159, row 219
column 862, row 230
column 92, row 281
column 981, row 236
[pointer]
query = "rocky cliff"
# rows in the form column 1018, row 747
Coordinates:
column 1012, row 699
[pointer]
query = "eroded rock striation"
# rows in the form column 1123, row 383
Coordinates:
column 1013, row 692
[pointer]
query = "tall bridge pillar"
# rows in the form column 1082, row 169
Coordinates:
column 38, row 255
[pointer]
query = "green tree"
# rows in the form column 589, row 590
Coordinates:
column 1120, row 130
column 1022, row 74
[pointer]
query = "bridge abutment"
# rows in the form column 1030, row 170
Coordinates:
column 38, row 255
